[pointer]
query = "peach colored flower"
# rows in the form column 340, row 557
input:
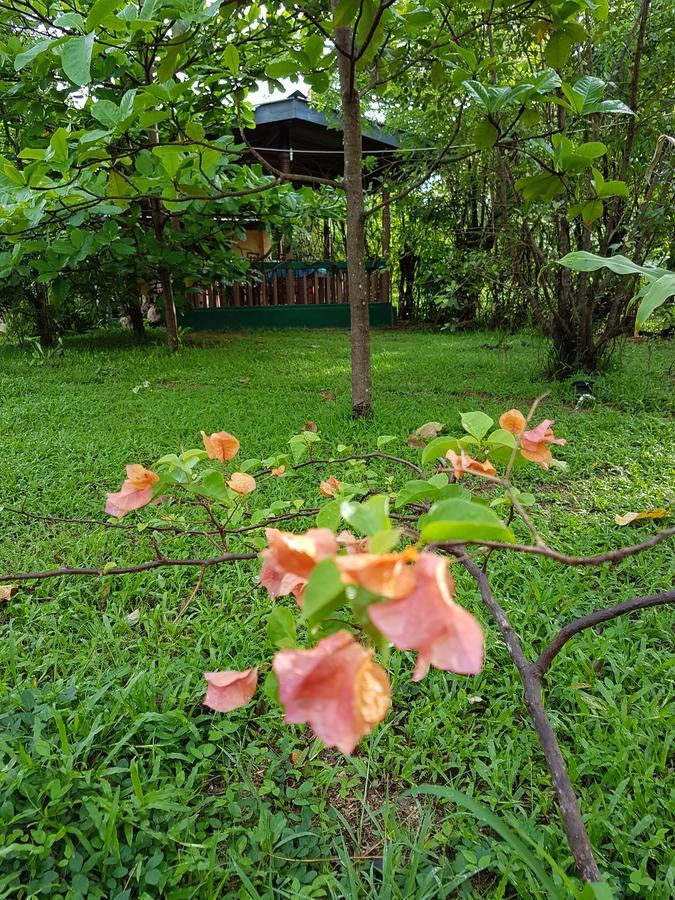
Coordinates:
column 352, row 544
column 241, row 483
column 220, row 445
column 513, row 421
column 290, row 558
column 136, row 491
column 533, row 443
column 330, row 486
column 428, row 620
column 278, row 472
column 385, row 574
column 464, row 463
column 335, row 687
column 230, row 689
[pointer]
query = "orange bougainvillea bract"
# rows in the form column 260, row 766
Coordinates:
column 464, row 463
column 220, row 445
column 329, row 486
column 229, row 690
column 241, row 483
column 289, row 559
column 533, row 443
column 335, row 687
column 428, row 620
column 136, row 491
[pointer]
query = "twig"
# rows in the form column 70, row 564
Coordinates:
column 126, row 570
column 611, row 556
column 552, row 649
column 575, row 828
column 182, row 610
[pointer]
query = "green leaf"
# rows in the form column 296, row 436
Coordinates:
column 385, row 439
column 281, row 630
column 414, row 491
column 345, row 12
column 231, row 58
column 485, row 134
column 76, row 59
column 558, row 47
column 461, row 520
column 22, row 59
column 384, row 541
column 329, row 516
column 313, row 48
column 591, row 210
column 477, row 423
column 583, row 261
column 211, row 484
column 99, row 11
column 324, row 592
column 655, row 296
column 59, row 144
column 543, row 186
column 437, row 448
column 497, row 824
column 503, row 438
column 596, row 890
column 368, row 517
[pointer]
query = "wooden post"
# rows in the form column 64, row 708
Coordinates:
column 386, row 246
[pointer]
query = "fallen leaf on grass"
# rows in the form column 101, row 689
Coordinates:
column 311, row 426
column 629, row 517
column 7, row 591
column 133, row 617
column 244, row 380
column 328, row 396
column 426, row 432
column 430, row 430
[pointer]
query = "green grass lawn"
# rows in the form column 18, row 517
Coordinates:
column 116, row 783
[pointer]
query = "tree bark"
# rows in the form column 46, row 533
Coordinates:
column 170, row 318
column 357, row 285
column 133, row 310
column 43, row 317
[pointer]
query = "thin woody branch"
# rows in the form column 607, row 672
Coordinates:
column 160, row 563
column 552, row 649
column 575, row 828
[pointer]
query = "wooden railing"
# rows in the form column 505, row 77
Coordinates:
column 292, row 282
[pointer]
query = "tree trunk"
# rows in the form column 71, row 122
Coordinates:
column 133, row 310
column 170, row 319
column 43, row 316
column 356, row 264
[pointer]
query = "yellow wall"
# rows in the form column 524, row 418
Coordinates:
column 257, row 243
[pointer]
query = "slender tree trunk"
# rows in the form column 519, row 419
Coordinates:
column 43, row 316
column 133, row 310
column 356, row 263
column 158, row 222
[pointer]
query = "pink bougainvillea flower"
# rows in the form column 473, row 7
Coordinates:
column 388, row 575
column 533, row 443
column 290, row 558
column 513, row 420
column 428, row 620
column 241, row 483
column 335, row 687
column 230, row 689
column 352, row 544
column 278, row 471
column 330, row 486
column 136, row 491
column 220, row 445
column 464, row 463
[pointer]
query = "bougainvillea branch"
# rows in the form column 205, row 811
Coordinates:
column 371, row 574
column 598, row 616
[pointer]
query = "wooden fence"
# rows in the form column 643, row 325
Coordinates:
column 292, row 283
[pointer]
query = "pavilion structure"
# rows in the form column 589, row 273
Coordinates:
column 279, row 291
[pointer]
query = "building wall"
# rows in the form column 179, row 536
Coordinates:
column 256, row 244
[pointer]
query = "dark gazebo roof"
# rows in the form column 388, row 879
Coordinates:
column 293, row 136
